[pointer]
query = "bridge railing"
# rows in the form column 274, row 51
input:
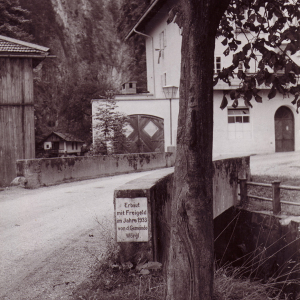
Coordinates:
column 276, row 198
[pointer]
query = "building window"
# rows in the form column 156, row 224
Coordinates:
column 239, row 126
column 162, row 40
column 217, row 64
column 238, row 115
column 162, row 45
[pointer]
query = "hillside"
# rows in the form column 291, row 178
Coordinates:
column 91, row 58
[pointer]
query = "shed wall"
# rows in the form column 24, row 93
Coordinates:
column 17, row 139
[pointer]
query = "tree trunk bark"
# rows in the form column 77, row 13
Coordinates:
column 190, row 266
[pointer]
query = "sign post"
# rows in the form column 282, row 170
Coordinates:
column 131, row 215
column 133, row 222
column 142, row 213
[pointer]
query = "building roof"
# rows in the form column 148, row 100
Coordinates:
column 10, row 46
column 65, row 136
column 146, row 16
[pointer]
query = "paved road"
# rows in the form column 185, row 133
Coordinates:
column 50, row 237
column 285, row 164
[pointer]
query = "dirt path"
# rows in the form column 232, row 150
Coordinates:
column 50, row 237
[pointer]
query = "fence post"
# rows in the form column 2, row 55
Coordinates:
column 276, row 197
column 243, row 191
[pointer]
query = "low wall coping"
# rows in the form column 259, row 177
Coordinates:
column 147, row 181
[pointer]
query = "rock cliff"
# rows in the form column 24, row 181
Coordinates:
column 90, row 59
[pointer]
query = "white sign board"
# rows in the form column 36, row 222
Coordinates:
column 132, row 219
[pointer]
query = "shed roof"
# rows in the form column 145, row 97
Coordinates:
column 66, row 137
column 10, row 45
column 13, row 48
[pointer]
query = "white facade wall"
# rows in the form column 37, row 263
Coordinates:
column 262, row 128
column 167, row 66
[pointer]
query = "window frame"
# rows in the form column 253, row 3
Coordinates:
column 216, row 63
column 238, row 118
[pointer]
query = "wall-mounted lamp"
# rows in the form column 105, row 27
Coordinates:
column 170, row 92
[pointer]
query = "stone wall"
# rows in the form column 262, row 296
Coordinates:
column 260, row 244
column 225, row 181
column 158, row 187
column 51, row 171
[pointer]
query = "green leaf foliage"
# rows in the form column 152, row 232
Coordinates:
column 224, row 102
column 272, row 31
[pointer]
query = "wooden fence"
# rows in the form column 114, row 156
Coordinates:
column 276, row 187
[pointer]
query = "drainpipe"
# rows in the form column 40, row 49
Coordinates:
column 171, row 122
column 148, row 36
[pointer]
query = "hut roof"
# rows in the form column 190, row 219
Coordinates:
column 10, row 45
column 65, row 136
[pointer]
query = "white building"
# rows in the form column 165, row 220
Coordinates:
column 265, row 128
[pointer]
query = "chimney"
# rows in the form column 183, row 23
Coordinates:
column 129, row 88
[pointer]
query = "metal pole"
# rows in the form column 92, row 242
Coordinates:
column 171, row 121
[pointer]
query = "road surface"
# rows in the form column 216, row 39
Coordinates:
column 286, row 164
column 51, row 237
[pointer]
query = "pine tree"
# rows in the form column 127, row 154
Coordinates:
column 111, row 127
column 14, row 20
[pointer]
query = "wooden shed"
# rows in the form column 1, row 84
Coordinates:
column 17, row 140
column 60, row 144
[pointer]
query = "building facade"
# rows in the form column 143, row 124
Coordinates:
column 267, row 127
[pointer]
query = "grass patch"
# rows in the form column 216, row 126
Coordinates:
column 229, row 286
column 112, row 284
column 113, row 281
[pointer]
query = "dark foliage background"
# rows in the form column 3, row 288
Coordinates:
column 87, row 38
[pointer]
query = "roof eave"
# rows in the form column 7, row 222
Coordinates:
column 142, row 19
column 29, row 55
column 27, row 44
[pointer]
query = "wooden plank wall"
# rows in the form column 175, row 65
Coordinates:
column 17, row 139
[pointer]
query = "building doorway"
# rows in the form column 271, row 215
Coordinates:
column 145, row 133
column 284, row 130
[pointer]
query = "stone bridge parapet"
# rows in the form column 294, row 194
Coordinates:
column 155, row 192
column 51, row 171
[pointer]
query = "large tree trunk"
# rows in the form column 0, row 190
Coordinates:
column 190, row 267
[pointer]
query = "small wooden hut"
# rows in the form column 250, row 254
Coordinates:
column 17, row 140
column 60, row 144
